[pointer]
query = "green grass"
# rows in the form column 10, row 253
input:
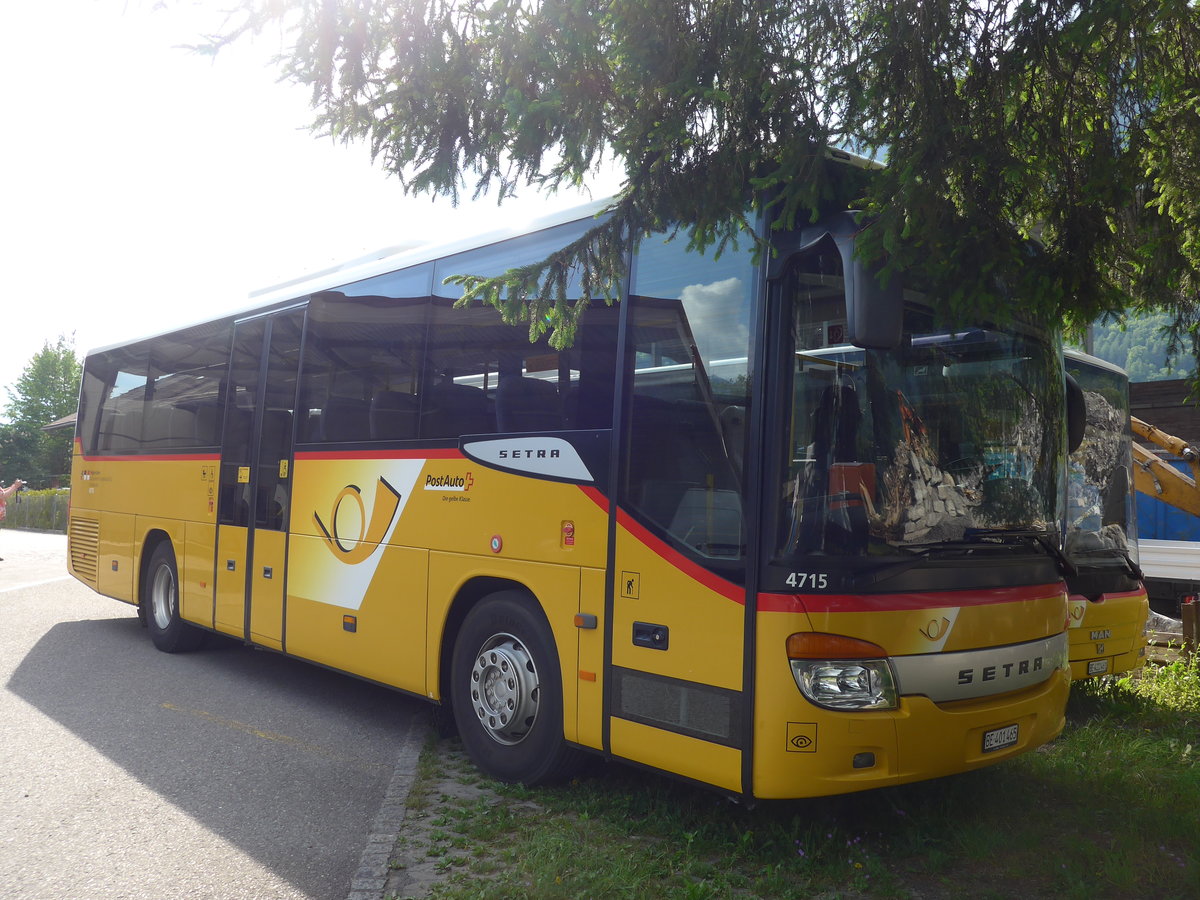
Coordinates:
column 1110, row 809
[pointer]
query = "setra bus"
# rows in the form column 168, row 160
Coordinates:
column 1107, row 599
column 767, row 525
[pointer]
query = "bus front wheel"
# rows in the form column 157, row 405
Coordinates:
column 506, row 692
column 160, row 604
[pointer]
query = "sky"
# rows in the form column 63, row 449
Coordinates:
column 143, row 186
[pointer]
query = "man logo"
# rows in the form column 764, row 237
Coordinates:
column 353, row 549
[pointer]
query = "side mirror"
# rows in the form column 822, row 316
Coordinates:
column 874, row 313
column 1076, row 415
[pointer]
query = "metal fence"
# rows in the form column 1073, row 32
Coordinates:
column 38, row 510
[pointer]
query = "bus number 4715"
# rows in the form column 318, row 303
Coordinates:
column 801, row 580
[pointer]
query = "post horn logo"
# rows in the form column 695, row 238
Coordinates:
column 936, row 629
column 353, row 549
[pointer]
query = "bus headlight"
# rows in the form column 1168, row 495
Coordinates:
column 837, row 672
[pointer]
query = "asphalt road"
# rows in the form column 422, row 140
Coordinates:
column 130, row 773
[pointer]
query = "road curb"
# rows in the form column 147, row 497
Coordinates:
column 370, row 878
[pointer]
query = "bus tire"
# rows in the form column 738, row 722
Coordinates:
column 159, row 605
column 506, row 692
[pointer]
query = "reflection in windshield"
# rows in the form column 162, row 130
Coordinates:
column 716, row 314
column 1100, row 517
column 950, row 436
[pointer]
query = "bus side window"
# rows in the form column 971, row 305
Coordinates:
column 127, row 428
column 679, row 473
column 393, row 416
column 120, row 393
column 208, row 424
column 358, row 378
column 344, row 419
column 235, row 501
column 449, row 409
column 690, row 340
column 275, row 447
column 527, row 404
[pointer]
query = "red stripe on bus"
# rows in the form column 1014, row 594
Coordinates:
column 174, row 457
column 451, row 453
column 596, row 496
column 838, row 603
column 715, row 583
column 672, row 556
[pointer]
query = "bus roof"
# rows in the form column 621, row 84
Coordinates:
column 398, row 258
column 1094, row 361
column 393, row 259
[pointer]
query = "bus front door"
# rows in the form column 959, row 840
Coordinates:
column 255, row 484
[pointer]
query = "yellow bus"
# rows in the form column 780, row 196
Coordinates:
column 1107, row 598
column 766, row 525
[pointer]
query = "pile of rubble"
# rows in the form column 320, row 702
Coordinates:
column 925, row 502
column 1101, row 449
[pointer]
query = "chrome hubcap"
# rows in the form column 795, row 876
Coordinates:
column 505, row 689
column 162, row 597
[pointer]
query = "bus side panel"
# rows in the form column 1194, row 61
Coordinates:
column 1108, row 636
column 687, row 756
column 116, row 564
column 196, row 573
column 590, row 686
column 678, row 642
column 230, row 605
column 460, row 506
column 266, row 588
column 170, row 489
column 556, row 588
column 381, row 638
column 130, row 496
column 705, row 625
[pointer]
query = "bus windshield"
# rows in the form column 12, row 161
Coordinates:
column 1100, row 517
column 953, row 437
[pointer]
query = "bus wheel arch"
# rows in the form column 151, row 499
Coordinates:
column 158, row 598
column 505, row 689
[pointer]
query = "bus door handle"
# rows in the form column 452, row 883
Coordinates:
column 655, row 637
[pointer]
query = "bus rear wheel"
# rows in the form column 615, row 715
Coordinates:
column 506, row 692
column 160, row 604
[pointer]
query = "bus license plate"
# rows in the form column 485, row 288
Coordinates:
column 999, row 738
column 1098, row 667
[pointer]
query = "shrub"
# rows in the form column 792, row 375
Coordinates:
column 39, row 510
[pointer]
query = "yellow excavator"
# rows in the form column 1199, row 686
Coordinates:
column 1158, row 479
column 1155, row 478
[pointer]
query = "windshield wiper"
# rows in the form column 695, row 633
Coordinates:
column 867, row 579
column 975, row 541
column 1037, row 537
column 1135, row 571
column 916, row 557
